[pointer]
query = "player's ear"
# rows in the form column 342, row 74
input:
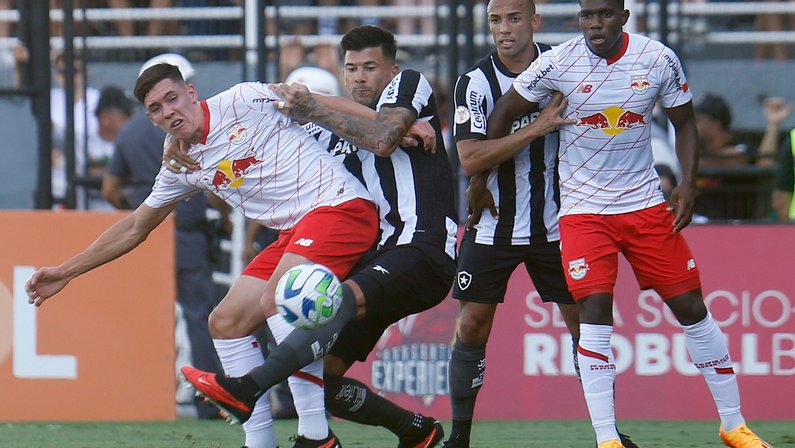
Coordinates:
column 624, row 17
column 192, row 92
column 395, row 69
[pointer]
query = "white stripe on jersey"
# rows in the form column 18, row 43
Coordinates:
column 606, row 162
column 260, row 162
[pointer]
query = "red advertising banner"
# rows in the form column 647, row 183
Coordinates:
column 747, row 284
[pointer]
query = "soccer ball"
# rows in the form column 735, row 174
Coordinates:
column 308, row 295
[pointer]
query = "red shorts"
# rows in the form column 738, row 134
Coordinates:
column 660, row 258
column 335, row 237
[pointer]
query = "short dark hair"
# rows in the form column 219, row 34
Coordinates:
column 619, row 3
column 715, row 107
column 154, row 75
column 368, row 36
column 113, row 97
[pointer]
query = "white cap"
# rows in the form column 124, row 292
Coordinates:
column 185, row 67
column 315, row 79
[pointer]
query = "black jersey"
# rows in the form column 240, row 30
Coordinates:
column 525, row 188
column 412, row 187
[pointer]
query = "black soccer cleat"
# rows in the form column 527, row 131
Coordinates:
column 426, row 433
column 331, row 441
column 625, row 440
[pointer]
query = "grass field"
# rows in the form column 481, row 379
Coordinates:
column 192, row 433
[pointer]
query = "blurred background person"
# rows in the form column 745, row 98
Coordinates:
column 718, row 145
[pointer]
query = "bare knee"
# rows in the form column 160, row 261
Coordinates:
column 689, row 308
column 476, row 322
column 226, row 324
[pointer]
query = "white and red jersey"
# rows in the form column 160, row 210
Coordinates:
column 606, row 162
column 259, row 161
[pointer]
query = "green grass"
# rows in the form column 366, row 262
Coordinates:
column 192, row 433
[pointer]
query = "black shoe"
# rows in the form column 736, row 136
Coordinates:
column 330, row 441
column 626, row 441
column 425, row 435
column 456, row 442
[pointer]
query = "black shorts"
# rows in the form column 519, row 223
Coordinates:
column 483, row 271
column 396, row 282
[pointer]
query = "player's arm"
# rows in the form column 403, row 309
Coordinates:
column 683, row 196
column 120, row 238
column 379, row 132
column 509, row 106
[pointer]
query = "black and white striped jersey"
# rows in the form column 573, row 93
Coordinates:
column 412, row 187
column 525, row 188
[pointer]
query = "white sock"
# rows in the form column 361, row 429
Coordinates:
column 598, row 373
column 238, row 356
column 308, row 395
column 710, row 353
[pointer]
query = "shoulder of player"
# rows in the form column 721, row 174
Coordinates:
column 248, row 92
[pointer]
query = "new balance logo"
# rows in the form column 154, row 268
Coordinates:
column 304, row 242
column 381, row 269
column 691, row 264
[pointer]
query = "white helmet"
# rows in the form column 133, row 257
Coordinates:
column 317, row 80
column 185, row 67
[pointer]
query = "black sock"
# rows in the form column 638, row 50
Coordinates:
column 352, row 400
column 302, row 347
column 467, row 371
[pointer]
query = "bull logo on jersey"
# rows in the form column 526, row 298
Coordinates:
column 639, row 84
column 578, row 269
column 613, row 120
column 230, row 173
column 236, row 134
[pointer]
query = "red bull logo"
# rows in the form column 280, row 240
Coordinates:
column 230, row 173
column 613, row 120
column 639, row 84
column 236, row 134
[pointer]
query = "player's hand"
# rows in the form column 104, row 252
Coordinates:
column 175, row 156
column 297, row 101
column 421, row 133
column 45, row 283
column 683, row 203
column 550, row 117
column 479, row 198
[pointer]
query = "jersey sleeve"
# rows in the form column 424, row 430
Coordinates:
column 537, row 81
column 471, row 109
column 409, row 89
column 674, row 90
column 169, row 188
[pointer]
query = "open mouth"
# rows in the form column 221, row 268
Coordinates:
column 175, row 124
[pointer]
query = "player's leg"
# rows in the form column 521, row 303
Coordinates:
column 590, row 261
column 480, row 284
column 231, row 324
column 396, row 282
column 335, row 237
column 662, row 260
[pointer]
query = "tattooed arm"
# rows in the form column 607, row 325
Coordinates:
column 379, row 132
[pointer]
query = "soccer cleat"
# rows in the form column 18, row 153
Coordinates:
column 426, row 435
column 221, row 391
column 742, row 437
column 612, row 443
column 330, row 441
column 455, row 442
column 625, row 440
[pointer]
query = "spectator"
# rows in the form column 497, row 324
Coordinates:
column 128, row 181
column 777, row 110
column 150, row 27
column 719, row 148
column 113, row 111
column 773, row 22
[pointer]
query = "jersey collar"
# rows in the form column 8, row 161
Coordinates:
column 622, row 51
column 206, row 125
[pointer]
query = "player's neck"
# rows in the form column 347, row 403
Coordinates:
column 519, row 62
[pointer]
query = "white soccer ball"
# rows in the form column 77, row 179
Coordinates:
column 308, row 295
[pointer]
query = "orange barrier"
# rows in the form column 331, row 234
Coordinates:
column 103, row 348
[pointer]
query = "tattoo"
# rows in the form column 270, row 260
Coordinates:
column 384, row 132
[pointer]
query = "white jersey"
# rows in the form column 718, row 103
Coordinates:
column 606, row 161
column 259, row 161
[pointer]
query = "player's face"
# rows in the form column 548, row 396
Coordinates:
column 366, row 73
column 602, row 22
column 172, row 107
column 511, row 23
